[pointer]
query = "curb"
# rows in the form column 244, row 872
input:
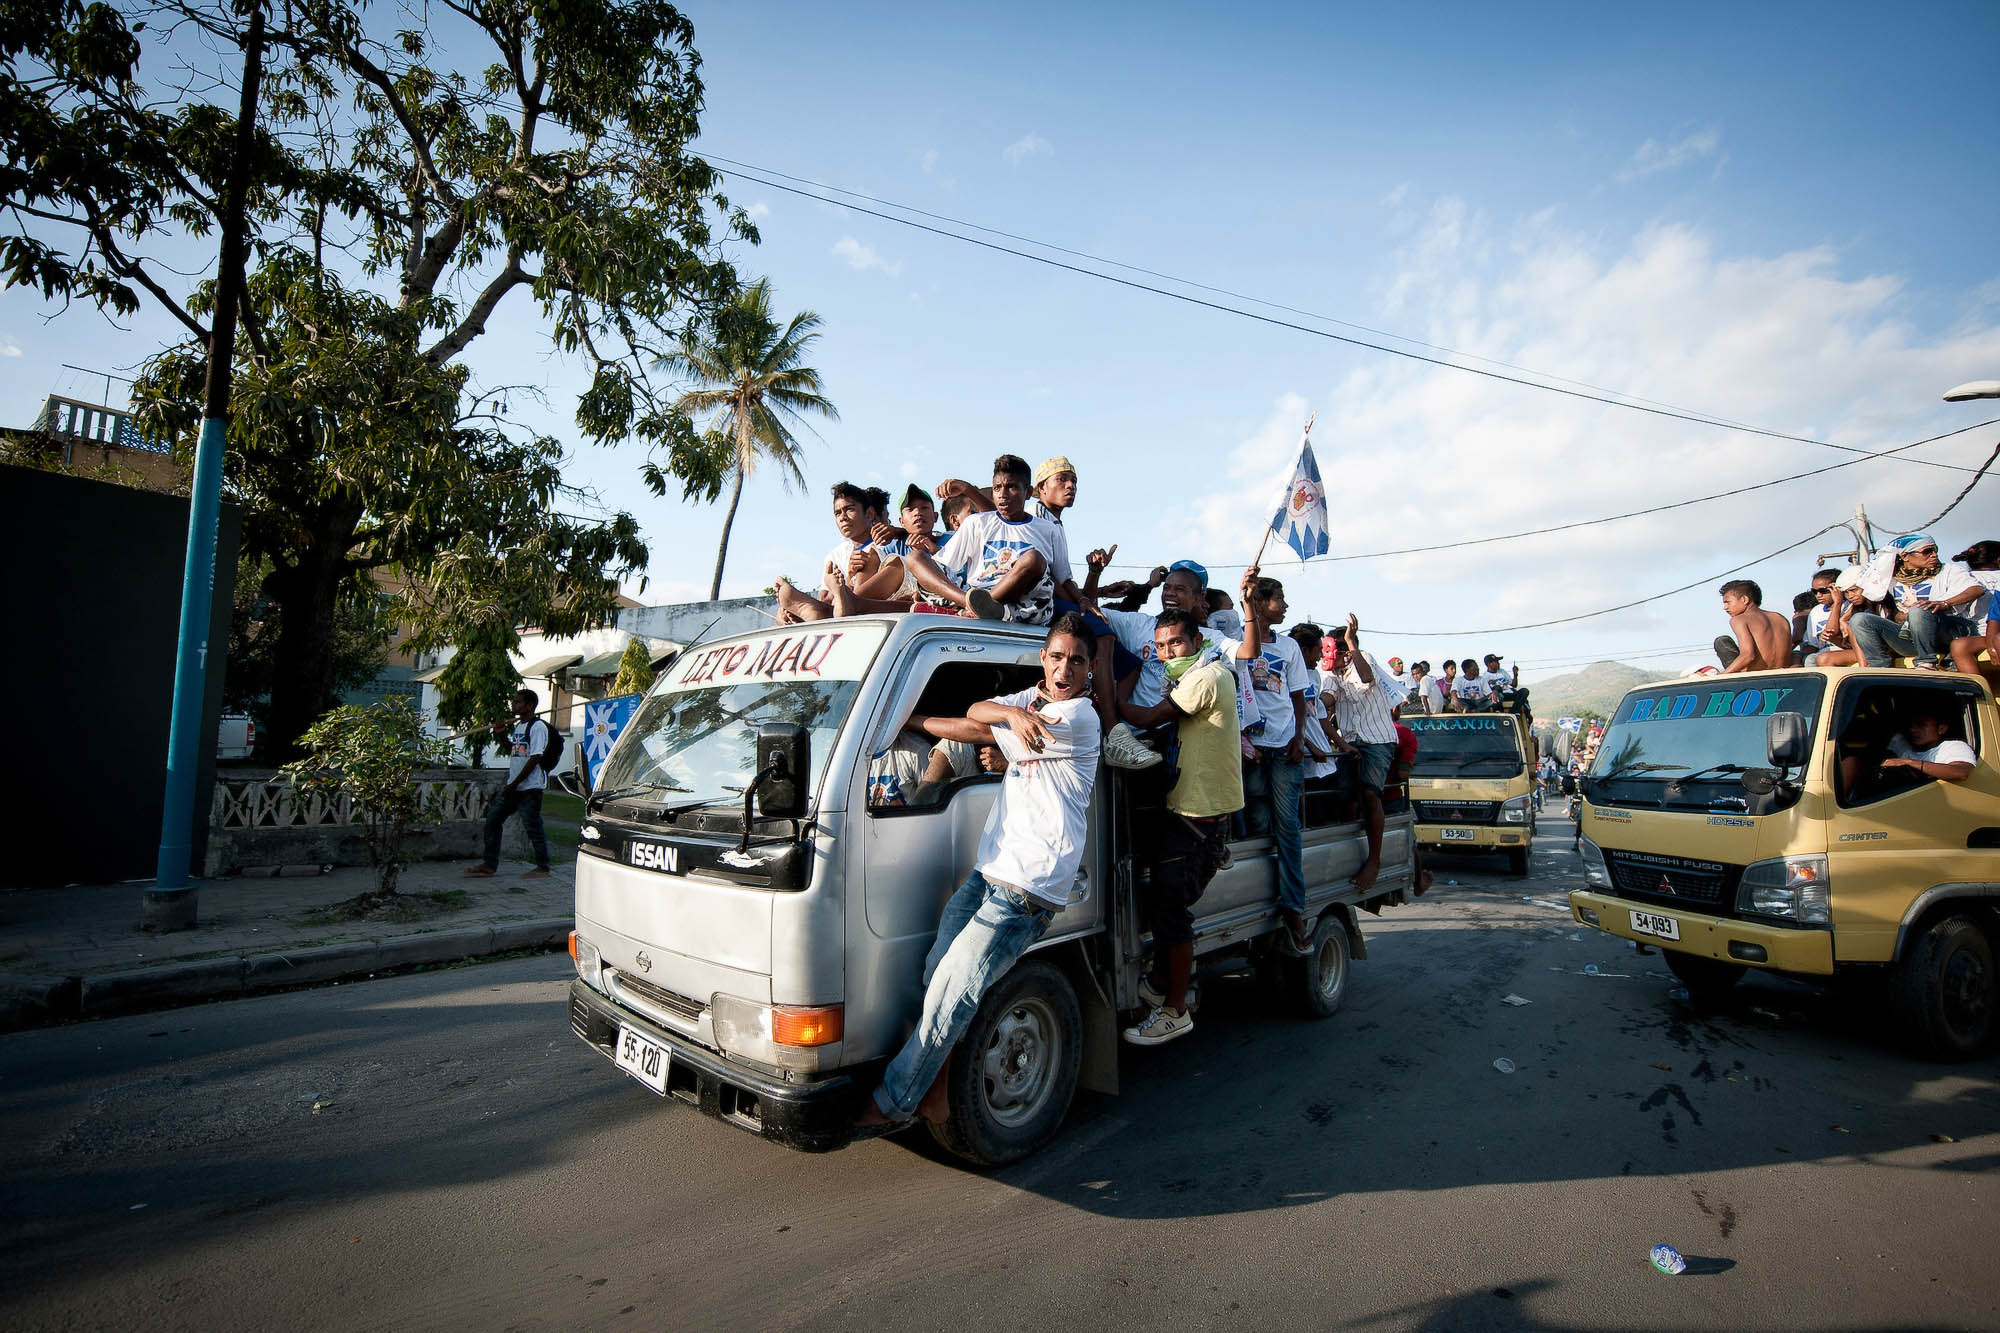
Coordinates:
column 32, row 1002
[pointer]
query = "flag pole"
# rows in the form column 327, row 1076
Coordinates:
column 1258, row 562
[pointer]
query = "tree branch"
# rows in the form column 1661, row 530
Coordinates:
column 474, row 323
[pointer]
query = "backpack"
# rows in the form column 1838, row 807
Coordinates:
column 552, row 752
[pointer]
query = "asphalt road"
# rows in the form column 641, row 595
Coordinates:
column 439, row 1151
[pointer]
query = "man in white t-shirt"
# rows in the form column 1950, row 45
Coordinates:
column 1365, row 703
column 1028, row 858
column 1923, row 746
column 1824, row 595
column 1003, row 563
column 1425, row 697
column 527, row 742
column 1273, row 780
column 1183, row 588
column 1938, row 599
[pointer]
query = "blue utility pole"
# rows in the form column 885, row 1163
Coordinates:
column 171, row 902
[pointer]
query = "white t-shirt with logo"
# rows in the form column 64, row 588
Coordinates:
column 1273, row 676
column 1034, row 837
column 1816, row 626
column 524, row 742
column 1944, row 752
column 1134, row 630
column 985, row 546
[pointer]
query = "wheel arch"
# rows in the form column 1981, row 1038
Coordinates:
column 1977, row 899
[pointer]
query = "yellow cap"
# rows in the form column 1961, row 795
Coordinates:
column 1051, row 466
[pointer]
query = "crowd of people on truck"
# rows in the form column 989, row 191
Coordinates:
column 1907, row 601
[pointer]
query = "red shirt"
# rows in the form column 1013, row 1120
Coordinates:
column 1406, row 746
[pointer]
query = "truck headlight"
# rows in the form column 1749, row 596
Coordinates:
column 1595, row 874
column 1516, row 810
column 589, row 963
column 782, row 1036
column 1791, row 888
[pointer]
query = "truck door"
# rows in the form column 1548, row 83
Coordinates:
column 1895, row 832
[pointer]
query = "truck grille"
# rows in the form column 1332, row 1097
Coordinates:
column 1457, row 812
column 1673, row 880
column 659, row 996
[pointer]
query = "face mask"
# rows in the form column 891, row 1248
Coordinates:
column 1179, row 666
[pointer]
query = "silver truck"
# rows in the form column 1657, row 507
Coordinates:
column 751, row 929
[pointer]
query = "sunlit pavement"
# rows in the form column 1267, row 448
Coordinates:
column 438, row 1150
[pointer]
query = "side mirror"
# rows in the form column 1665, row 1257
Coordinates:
column 1787, row 739
column 784, row 751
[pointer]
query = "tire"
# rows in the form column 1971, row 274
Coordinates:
column 1710, row 982
column 1315, row 984
column 1014, row 1075
column 1517, row 861
column 1944, row 990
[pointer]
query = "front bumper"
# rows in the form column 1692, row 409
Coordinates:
column 812, row 1115
column 1483, row 837
column 1806, row 950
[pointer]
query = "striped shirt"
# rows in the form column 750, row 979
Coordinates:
column 1364, row 706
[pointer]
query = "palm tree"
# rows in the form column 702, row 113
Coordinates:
column 756, row 386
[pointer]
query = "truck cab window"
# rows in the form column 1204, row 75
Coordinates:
column 916, row 772
column 1873, row 723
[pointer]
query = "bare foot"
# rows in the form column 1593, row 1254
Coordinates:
column 1424, row 881
column 843, row 598
column 787, row 595
column 936, row 1105
column 1364, row 879
column 871, row 1115
column 480, row 872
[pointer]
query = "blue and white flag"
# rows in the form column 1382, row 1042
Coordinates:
column 1301, row 518
column 603, row 721
column 1572, row 725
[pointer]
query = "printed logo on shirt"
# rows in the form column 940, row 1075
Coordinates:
column 998, row 557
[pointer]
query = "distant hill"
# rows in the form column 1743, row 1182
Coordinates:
column 1594, row 690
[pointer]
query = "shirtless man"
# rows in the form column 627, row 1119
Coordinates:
column 1763, row 639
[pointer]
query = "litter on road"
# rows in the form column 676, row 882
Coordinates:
column 1668, row 1260
column 1504, row 1065
column 1516, row 1000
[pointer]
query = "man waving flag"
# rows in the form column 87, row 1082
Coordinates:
column 1301, row 518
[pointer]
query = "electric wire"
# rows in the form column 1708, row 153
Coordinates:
column 1630, row 406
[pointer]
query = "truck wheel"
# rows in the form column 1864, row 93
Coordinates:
column 1944, row 989
column 1517, row 861
column 1316, row 983
column 1013, row 1076
column 1709, row 981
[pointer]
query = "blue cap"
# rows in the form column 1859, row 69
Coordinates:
column 1914, row 541
column 1190, row 567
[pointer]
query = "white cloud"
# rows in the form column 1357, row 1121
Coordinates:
column 1395, row 197
column 758, row 211
column 1416, row 455
column 930, row 159
column 1027, row 146
column 1653, row 156
column 7, row 348
column 862, row 257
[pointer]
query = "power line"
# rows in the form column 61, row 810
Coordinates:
column 1640, row 513
column 1904, row 532
column 1631, row 406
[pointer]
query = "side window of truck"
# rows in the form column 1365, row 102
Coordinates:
column 1872, row 723
column 913, row 773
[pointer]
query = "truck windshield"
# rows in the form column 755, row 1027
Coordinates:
column 1473, row 747
column 693, row 741
column 1688, row 746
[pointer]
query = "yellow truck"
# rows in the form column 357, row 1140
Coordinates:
column 1473, row 784
column 1775, row 820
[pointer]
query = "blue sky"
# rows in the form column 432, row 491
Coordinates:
column 1782, row 215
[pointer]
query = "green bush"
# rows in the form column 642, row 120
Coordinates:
column 372, row 756
column 635, row 670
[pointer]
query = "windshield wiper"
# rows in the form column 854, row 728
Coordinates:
column 1623, row 769
column 1679, row 785
column 1513, row 759
column 638, row 788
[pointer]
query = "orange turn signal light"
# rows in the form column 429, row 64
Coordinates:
column 572, row 946
column 796, row 1026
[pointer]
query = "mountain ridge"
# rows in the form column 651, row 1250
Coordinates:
column 1592, row 691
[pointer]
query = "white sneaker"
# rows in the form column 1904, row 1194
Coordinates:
column 1160, row 1028
column 1149, row 997
column 1124, row 749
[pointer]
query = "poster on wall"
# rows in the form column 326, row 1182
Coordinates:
column 604, row 720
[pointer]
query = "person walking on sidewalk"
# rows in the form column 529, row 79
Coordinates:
column 527, row 742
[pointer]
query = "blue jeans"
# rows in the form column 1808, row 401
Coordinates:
column 1271, row 789
column 529, row 803
column 985, row 927
column 1926, row 636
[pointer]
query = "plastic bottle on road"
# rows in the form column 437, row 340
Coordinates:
column 1668, row 1260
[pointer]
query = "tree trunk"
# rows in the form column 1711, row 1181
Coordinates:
column 302, row 657
column 722, row 550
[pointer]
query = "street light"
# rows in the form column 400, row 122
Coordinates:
column 1965, row 393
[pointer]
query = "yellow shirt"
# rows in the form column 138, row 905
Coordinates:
column 1211, row 763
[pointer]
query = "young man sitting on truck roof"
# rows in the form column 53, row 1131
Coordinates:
column 1028, row 858
column 1762, row 639
column 857, row 569
column 1192, row 840
column 1937, row 600
column 1983, row 559
column 1003, row 563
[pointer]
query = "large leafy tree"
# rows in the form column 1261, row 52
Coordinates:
column 755, row 385
column 400, row 198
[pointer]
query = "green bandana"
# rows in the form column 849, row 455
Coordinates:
column 1177, row 667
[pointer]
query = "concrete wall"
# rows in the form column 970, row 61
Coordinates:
column 682, row 621
column 253, row 824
